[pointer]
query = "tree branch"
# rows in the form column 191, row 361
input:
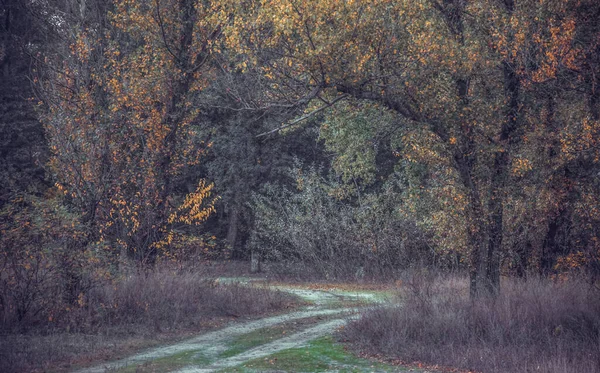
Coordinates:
column 162, row 29
column 304, row 117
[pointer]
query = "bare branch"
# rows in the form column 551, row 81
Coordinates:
column 162, row 30
column 304, row 117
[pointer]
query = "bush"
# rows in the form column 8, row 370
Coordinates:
column 137, row 306
column 315, row 230
column 534, row 325
column 44, row 267
column 163, row 299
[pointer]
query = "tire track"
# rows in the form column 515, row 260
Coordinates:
column 215, row 342
column 293, row 341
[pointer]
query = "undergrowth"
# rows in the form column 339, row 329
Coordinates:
column 128, row 313
column 532, row 326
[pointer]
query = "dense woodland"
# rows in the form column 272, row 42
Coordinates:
column 348, row 139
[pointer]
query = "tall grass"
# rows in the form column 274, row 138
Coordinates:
column 128, row 311
column 533, row 326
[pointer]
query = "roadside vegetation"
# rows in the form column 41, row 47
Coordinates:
column 535, row 325
column 122, row 315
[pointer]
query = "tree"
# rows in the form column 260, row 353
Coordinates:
column 240, row 161
column 119, row 115
column 23, row 147
column 461, row 74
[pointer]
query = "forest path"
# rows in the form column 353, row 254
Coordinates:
column 229, row 348
column 293, row 341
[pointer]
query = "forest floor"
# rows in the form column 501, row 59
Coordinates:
column 300, row 341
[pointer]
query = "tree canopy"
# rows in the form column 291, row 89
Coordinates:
column 471, row 124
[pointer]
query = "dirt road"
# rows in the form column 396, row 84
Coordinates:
column 296, row 340
column 232, row 346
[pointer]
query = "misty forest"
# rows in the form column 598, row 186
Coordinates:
column 300, row 185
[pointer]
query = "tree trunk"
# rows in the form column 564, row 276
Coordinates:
column 255, row 266
column 500, row 174
column 594, row 100
column 496, row 222
column 465, row 157
column 232, row 229
column 523, row 252
column 476, row 224
column 174, row 116
column 550, row 247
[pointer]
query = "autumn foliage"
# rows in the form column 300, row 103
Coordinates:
column 340, row 139
column 119, row 124
column 455, row 134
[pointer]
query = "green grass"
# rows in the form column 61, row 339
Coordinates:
column 269, row 334
column 168, row 363
column 256, row 338
column 335, row 298
column 320, row 355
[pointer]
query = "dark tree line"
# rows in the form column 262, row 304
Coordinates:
column 448, row 133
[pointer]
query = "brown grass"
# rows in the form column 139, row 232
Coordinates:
column 533, row 326
column 117, row 317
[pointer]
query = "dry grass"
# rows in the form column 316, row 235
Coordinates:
column 533, row 326
column 135, row 311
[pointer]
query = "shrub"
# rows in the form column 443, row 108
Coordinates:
column 315, row 230
column 44, row 267
column 534, row 325
column 136, row 306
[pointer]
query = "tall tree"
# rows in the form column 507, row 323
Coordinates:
column 235, row 112
column 119, row 121
column 461, row 75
